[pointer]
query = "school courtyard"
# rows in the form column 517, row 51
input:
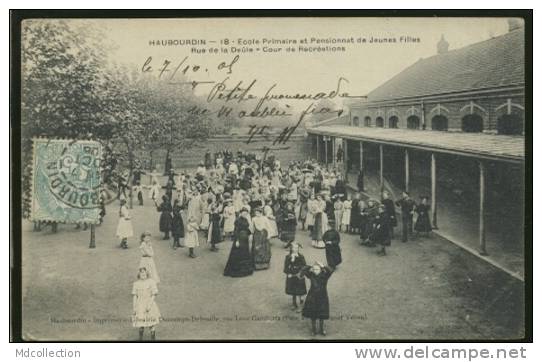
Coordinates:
column 423, row 289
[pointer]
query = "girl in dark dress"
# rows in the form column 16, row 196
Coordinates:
column 423, row 225
column 289, row 224
column 381, row 230
column 317, row 302
column 165, row 216
column 333, row 250
column 295, row 284
column 240, row 262
column 177, row 225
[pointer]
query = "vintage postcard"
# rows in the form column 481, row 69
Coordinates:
column 274, row 178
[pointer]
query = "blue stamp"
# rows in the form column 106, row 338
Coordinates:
column 66, row 181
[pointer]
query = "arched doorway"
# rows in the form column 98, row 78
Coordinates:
column 379, row 122
column 413, row 122
column 355, row 121
column 472, row 123
column 367, row 121
column 439, row 123
column 510, row 124
column 393, row 122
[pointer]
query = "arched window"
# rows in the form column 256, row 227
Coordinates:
column 379, row 122
column 510, row 124
column 413, row 122
column 367, row 121
column 439, row 123
column 393, row 122
column 355, row 121
column 472, row 123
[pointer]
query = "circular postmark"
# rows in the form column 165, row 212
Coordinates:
column 74, row 177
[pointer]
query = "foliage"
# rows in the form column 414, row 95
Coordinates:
column 70, row 90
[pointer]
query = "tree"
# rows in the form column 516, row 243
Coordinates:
column 68, row 89
column 168, row 120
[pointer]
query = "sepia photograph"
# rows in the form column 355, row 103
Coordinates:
column 305, row 178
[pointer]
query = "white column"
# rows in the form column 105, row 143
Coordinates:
column 482, row 230
column 325, row 149
column 345, row 158
column 434, row 189
column 381, row 168
column 361, row 155
column 334, row 151
column 317, row 148
column 407, row 171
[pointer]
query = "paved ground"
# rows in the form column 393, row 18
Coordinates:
column 424, row 289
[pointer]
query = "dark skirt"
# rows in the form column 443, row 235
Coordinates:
column 423, row 225
column 287, row 236
column 316, row 305
column 261, row 250
column 177, row 226
column 240, row 262
column 365, row 227
column 296, row 286
column 165, row 222
column 333, row 255
column 214, row 229
column 316, row 233
column 382, row 238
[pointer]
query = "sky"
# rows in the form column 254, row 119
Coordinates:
column 364, row 65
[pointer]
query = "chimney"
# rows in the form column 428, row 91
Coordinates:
column 442, row 46
column 514, row 24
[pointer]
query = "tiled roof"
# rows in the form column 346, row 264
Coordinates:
column 491, row 63
column 501, row 147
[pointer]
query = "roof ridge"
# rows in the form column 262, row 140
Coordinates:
column 444, row 73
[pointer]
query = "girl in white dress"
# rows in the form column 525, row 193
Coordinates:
column 154, row 191
column 147, row 257
column 311, row 212
column 229, row 218
column 145, row 311
column 338, row 210
column 124, row 228
column 191, row 239
column 347, row 211
column 268, row 212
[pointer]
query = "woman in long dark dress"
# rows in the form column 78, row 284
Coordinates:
column 317, row 302
column 240, row 262
column 389, row 206
column 355, row 215
column 333, row 250
column 423, row 225
column 165, row 217
column 177, row 225
column 363, row 222
column 295, row 284
column 214, row 234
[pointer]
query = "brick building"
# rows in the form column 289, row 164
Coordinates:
column 450, row 127
column 477, row 88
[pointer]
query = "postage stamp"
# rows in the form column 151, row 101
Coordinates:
column 67, row 180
